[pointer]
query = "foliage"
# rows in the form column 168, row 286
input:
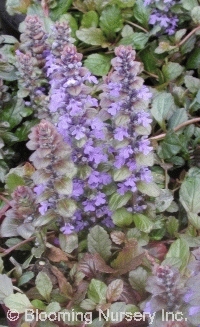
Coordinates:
column 99, row 163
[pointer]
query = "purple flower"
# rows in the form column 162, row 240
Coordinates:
column 120, row 133
column 43, row 207
column 67, row 229
column 100, row 199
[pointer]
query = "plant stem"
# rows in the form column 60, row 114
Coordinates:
column 136, row 25
column 188, row 36
column 188, row 122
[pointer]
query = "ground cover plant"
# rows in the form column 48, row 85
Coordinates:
column 99, row 164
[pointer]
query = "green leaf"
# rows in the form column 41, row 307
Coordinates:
column 68, row 243
column 114, row 310
column 44, row 285
column 138, row 40
column 25, row 278
column 53, row 307
column 121, row 174
column 97, row 291
column 164, row 200
column 111, row 20
column 14, row 180
column 66, row 207
column 14, row 113
column 141, row 13
column 63, row 185
column 179, row 250
column 172, row 70
column 138, row 279
column 121, row 217
column 88, row 304
column 163, row 107
column 62, row 7
column 192, row 83
column 142, row 222
column 18, row 302
column 117, row 201
column 189, row 45
column 189, row 4
column 178, row 117
column 9, row 227
column 189, row 194
column 92, row 35
column 195, row 14
column 6, row 287
column 99, row 242
column 149, row 60
column 172, row 225
column 193, row 61
column 23, row 130
column 98, row 64
column 124, row 3
column 150, row 189
column 38, row 304
column 170, row 146
column 90, row 19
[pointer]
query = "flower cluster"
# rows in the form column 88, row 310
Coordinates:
column 22, row 213
column 54, row 173
column 78, row 121
column 125, row 100
column 166, row 289
column 192, row 297
column 33, row 39
column 162, row 15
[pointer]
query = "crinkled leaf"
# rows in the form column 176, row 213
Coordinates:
column 44, row 285
column 9, row 227
column 25, row 278
column 92, row 35
column 63, row 185
column 14, row 180
column 172, row 70
column 111, row 20
column 88, row 305
column 179, row 250
column 98, row 64
column 97, row 291
column 128, row 258
column 99, row 242
column 192, row 83
column 142, row 222
column 163, row 107
column 121, row 174
column 141, row 13
column 189, row 4
column 121, row 217
column 117, row 201
column 164, row 200
column 138, row 279
column 66, row 207
column 170, row 146
column 68, row 243
column 195, row 14
column 114, row 290
column 18, row 302
column 90, row 19
column 62, row 7
column 150, row 189
column 6, row 287
column 189, row 194
column 118, row 237
column 172, row 226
